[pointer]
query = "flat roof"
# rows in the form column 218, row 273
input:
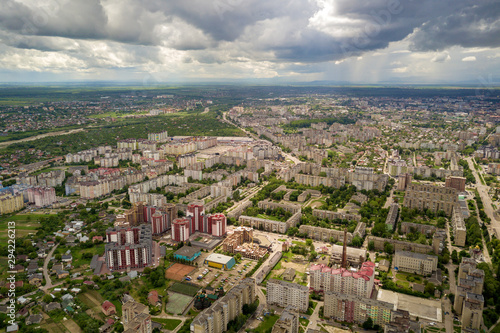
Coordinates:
column 219, row 258
column 187, row 251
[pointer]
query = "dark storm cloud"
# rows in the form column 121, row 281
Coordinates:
column 287, row 30
column 73, row 19
column 475, row 24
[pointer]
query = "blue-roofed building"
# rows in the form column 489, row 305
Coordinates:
column 188, row 253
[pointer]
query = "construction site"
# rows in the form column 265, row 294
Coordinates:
column 242, row 241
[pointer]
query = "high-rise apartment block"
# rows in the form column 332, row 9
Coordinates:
column 356, row 309
column 10, row 202
column 435, row 198
column 215, row 318
column 129, row 247
column 341, row 280
column 469, row 301
column 285, row 294
column 198, row 221
column 42, row 196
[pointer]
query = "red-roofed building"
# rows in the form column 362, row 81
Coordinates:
column 346, row 281
column 108, row 308
column 97, row 239
column 153, row 297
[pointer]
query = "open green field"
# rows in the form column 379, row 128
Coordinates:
column 25, row 224
column 183, row 288
column 177, row 302
column 168, row 324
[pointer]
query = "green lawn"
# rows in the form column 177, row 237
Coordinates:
column 266, row 325
column 168, row 324
column 269, row 217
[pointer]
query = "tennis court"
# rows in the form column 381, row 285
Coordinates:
column 177, row 303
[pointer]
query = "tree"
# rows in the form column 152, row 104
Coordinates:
column 47, row 299
column 388, row 248
column 368, row 324
column 429, row 288
column 371, row 245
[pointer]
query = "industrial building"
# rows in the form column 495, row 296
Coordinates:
column 220, row 261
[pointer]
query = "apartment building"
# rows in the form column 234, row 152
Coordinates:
column 392, row 217
column 435, row 198
column 129, row 248
column 356, row 309
column 345, row 281
column 286, row 294
column 266, row 204
column 399, row 245
column 180, row 229
column 458, row 225
column 417, row 263
column 136, row 318
column 324, row 234
column 326, row 214
column 472, row 312
column 159, row 137
column 10, row 203
column 41, row 196
column 470, row 281
column 455, row 182
column 216, row 318
column 288, row 322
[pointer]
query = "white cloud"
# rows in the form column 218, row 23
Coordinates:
column 469, row 59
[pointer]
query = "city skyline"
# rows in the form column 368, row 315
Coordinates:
column 336, row 41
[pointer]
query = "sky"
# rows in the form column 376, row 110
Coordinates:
column 272, row 41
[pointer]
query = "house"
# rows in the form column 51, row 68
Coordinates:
column 97, row 239
column 108, row 308
column 51, row 306
column 57, row 267
column 50, row 243
column 18, row 269
column 32, row 267
column 35, row 279
column 34, row 319
column 132, row 274
column 23, row 312
column 66, row 258
column 19, row 284
column 22, row 257
column 62, row 274
column 12, row 328
column 384, row 265
column 153, row 297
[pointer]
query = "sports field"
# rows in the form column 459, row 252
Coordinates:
column 183, row 288
column 177, row 303
column 178, row 271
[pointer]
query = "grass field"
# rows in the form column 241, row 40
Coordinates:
column 266, row 325
column 25, row 224
column 177, row 302
column 183, row 288
column 168, row 324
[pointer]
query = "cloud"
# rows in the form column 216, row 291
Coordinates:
column 469, row 59
column 441, row 57
column 272, row 37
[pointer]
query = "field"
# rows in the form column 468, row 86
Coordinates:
column 93, row 300
column 25, row 224
column 71, row 326
column 56, row 328
column 178, row 272
column 168, row 324
column 177, row 302
column 185, row 289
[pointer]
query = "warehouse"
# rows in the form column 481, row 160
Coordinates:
column 220, row 261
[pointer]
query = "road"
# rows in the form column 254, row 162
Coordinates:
column 36, row 137
column 48, row 281
column 446, row 303
column 314, row 318
column 494, row 227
